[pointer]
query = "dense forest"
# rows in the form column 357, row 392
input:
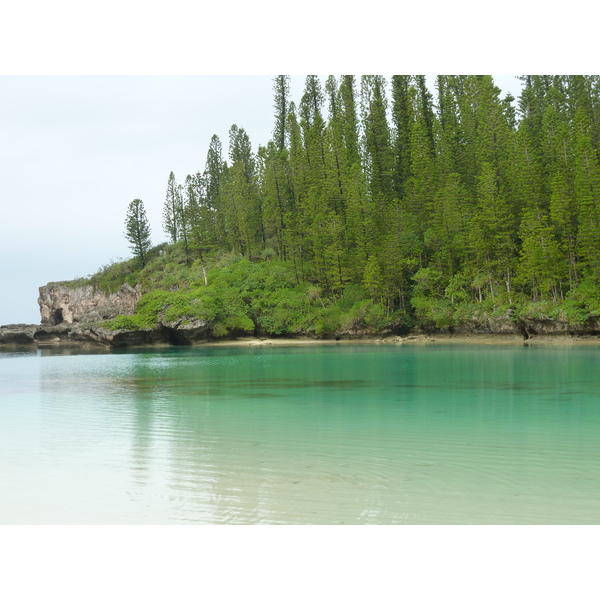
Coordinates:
column 421, row 208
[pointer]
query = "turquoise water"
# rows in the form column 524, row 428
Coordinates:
column 432, row 434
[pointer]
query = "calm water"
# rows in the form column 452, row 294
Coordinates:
column 323, row 434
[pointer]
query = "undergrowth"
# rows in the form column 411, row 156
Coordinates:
column 265, row 298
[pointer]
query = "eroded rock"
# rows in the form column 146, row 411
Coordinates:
column 184, row 332
column 17, row 335
column 61, row 303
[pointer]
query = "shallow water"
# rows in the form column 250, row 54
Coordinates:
column 322, row 434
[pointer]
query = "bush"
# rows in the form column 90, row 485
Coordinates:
column 240, row 297
column 433, row 312
column 328, row 320
column 583, row 301
column 282, row 311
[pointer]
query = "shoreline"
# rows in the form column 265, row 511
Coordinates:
column 418, row 339
column 94, row 336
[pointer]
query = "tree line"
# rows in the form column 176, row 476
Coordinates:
column 451, row 197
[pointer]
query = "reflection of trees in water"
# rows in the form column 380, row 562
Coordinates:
column 212, row 468
column 244, row 442
column 217, row 466
column 142, row 434
column 307, row 440
column 63, row 349
column 235, row 445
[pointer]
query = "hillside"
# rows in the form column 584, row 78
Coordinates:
column 382, row 198
column 242, row 297
column 177, row 300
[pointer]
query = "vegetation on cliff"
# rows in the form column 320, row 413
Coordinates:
column 378, row 206
column 241, row 297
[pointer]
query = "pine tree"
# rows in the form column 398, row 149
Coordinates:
column 275, row 194
column 377, row 138
column 243, row 210
column 422, row 187
column 540, row 268
column 199, row 219
column 349, row 119
column 137, row 230
column 312, row 125
column 492, row 230
column 334, row 138
column 460, row 201
column 213, row 175
column 281, row 89
column 402, row 118
column 183, row 221
column 172, row 209
column 426, row 109
column 586, row 183
column 448, row 232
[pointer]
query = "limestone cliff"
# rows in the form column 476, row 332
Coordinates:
column 62, row 303
column 73, row 315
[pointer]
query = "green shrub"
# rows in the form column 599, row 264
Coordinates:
column 328, row 320
column 583, row 301
column 351, row 295
column 240, row 297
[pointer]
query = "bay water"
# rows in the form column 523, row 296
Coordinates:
column 320, row 434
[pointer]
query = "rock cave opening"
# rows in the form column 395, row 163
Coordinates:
column 57, row 317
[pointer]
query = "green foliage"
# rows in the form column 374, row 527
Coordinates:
column 137, row 230
column 172, row 210
column 352, row 295
column 127, row 322
column 284, row 311
column 582, row 301
column 327, row 321
column 219, row 307
column 364, row 315
column 433, row 312
column 110, row 278
column 369, row 211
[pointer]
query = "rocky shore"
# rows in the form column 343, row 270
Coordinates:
column 94, row 334
column 199, row 332
column 73, row 316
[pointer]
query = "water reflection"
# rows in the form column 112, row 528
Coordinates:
column 142, row 433
column 353, row 435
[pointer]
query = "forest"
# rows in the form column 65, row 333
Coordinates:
column 386, row 199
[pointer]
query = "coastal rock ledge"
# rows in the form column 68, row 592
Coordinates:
column 78, row 334
column 73, row 315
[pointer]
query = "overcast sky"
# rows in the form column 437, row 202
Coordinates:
column 75, row 150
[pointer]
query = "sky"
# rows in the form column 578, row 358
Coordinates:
column 75, row 150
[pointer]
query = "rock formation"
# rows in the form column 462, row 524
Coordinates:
column 61, row 303
column 73, row 316
column 80, row 334
column 526, row 327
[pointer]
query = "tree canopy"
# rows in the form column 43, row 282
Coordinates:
column 428, row 201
